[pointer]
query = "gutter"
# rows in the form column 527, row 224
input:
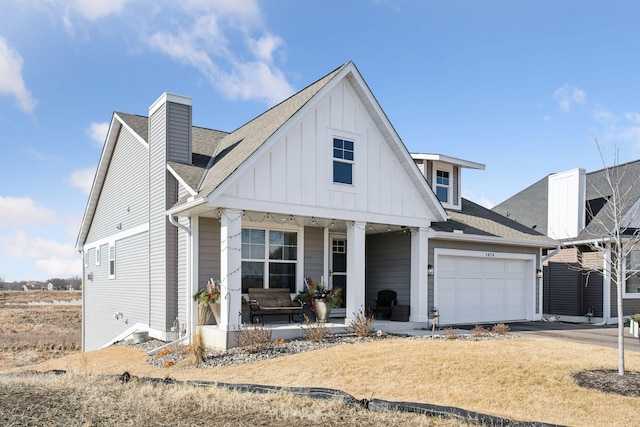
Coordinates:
column 549, row 255
column 491, row 239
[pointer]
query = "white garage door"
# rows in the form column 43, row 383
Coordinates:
column 477, row 289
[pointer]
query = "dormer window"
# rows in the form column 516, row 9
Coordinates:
column 442, row 185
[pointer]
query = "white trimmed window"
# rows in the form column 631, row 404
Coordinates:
column 98, row 254
column 112, row 261
column 269, row 259
column 343, row 155
column 443, row 185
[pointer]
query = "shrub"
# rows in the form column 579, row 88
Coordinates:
column 362, row 324
column 197, row 348
column 451, row 334
column 500, row 329
column 254, row 338
column 315, row 331
column 479, row 331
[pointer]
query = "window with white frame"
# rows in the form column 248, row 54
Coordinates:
column 269, row 259
column 343, row 161
column 632, row 284
column 442, row 185
column 98, row 254
column 112, row 261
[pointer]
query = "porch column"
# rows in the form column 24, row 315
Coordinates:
column 606, row 284
column 230, row 269
column 419, row 280
column 355, row 269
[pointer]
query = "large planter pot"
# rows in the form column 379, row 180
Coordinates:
column 322, row 309
column 633, row 328
column 215, row 309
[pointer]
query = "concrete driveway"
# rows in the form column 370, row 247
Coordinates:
column 606, row 336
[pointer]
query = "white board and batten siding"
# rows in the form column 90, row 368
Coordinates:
column 297, row 170
column 474, row 287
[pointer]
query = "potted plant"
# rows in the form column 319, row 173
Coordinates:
column 320, row 298
column 210, row 296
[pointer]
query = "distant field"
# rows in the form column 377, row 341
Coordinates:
column 33, row 333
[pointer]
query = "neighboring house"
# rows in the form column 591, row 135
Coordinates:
column 318, row 186
column 570, row 207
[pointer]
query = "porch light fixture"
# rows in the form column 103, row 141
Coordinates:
column 429, row 270
column 333, row 223
column 290, row 218
column 388, row 228
column 313, row 220
column 539, row 274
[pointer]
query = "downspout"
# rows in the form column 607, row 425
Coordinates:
column 174, row 221
column 549, row 255
column 543, row 259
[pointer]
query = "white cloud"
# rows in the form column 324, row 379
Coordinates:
column 83, row 179
column 98, row 132
column 264, row 47
column 50, row 258
column 19, row 211
column 93, row 10
column 245, row 71
column 568, row 96
column 632, row 117
column 12, row 82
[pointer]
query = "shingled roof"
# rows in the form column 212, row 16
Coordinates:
column 529, row 207
column 474, row 219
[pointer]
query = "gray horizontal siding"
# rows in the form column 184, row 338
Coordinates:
column 158, row 222
column 209, row 249
column 124, row 196
column 128, row 293
column 178, row 132
column 313, row 253
column 388, row 266
column 183, row 267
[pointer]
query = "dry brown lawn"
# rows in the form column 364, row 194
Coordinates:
column 33, row 333
column 91, row 400
column 522, row 379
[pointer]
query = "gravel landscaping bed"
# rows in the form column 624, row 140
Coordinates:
column 177, row 356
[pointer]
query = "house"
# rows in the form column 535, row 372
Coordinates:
column 318, row 186
column 572, row 207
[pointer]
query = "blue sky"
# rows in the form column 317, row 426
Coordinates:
column 524, row 87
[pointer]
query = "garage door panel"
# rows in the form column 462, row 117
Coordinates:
column 493, row 266
column 477, row 290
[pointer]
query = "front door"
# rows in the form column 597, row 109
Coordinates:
column 338, row 270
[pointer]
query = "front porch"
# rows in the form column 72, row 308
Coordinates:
column 248, row 249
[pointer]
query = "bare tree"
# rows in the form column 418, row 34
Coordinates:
column 616, row 231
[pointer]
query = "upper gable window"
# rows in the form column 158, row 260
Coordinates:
column 442, row 185
column 342, row 161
